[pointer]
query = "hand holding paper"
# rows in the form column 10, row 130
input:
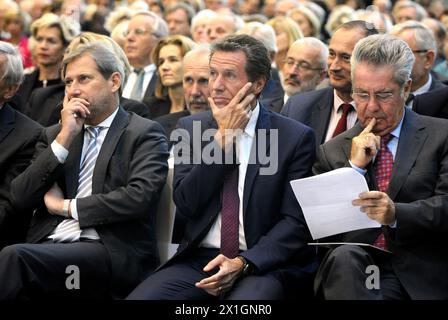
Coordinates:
column 326, row 202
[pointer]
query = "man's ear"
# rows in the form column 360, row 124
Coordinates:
column 430, row 58
column 116, row 81
column 10, row 91
column 258, row 85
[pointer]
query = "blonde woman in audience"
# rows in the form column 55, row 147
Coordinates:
column 16, row 25
column 167, row 56
column 287, row 31
column 306, row 19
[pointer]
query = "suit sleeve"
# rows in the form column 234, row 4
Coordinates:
column 18, row 164
column 290, row 235
column 146, row 176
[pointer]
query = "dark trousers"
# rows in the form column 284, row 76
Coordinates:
column 344, row 271
column 177, row 281
column 35, row 271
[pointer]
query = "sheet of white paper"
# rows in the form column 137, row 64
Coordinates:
column 326, row 202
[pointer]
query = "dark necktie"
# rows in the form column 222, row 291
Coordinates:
column 230, row 215
column 342, row 123
column 410, row 99
column 137, row 90
column 383, row 171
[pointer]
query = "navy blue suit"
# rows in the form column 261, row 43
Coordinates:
column 275, row 230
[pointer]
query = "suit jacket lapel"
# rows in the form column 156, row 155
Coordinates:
column 263, row 122
column 7, row 120
column 412, row 138
column 321, row 115
column 116, row 129
column 72, row 164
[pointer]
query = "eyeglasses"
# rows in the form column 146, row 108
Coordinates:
column 301, row 65
column 381, row 97
column 420, row 51
column 138, row 32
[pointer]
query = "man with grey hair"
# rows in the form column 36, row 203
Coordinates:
column 93, row 187
column 408, row 10
column 18, row 136
column 404, row 159
column 422, row 43
column 144, row 30
column 305, row 66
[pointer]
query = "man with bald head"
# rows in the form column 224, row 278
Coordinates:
column 221, row 26
column 305, row 66
column 195, row 84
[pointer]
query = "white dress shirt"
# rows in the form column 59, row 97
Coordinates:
column 149, row 73
column 336, row 114
column 243, row 147
column 61, row 154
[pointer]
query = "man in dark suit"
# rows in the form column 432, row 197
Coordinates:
column 144, row 30
column 331, row 110
column 94, row 184
column 245, row 236
column 423, row 44
column 404, row 157
column 18, row 135
column 433, row 103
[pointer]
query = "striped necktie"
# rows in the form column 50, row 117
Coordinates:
column 137, row 90
column 69, row 230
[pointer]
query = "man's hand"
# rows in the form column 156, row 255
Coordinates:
column 377, row 205
column 234, row 116
column 222, row 281
column 54, row 200
column 73, row 114
column 365, row 146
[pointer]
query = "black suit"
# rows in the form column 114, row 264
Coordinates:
column 273, row 94
column 45, row 105
column 433, row 103
column 419, row 190
column 18, row 136
column 275, row 230
column 29, row 85
column 169, row 121
column 129, row 174
column 312, row 108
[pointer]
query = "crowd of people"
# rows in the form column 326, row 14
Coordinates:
column 102, row 101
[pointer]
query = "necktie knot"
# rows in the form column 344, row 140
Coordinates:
column 138, row 71
column 410, row 98
column 385, row 140
column 346, row 108
column 93, row 132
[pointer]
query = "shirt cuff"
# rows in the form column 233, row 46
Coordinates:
column 394, row 225
column 74, row 210
column 360, row 170
column 59, row 151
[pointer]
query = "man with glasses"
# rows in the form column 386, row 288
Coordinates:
column 144, row 30
column 404, row 159
column 423, row 44
column 330, row 111
column 305, row 66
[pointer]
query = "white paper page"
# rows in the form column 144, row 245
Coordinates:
column 326, row 202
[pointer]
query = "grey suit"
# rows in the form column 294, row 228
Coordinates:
column 419, row 189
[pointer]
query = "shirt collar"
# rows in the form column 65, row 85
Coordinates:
column 424, row 88
column 250, row 127
column 338, row 101
column 396, row 132
column 148, row 68
column 107, row 122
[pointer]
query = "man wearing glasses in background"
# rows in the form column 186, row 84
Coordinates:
column 404, row 158
column 331, row 111
column 144, row 31
column 423, row 44
column 305, row 66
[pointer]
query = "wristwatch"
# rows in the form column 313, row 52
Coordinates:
column 248, row 267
